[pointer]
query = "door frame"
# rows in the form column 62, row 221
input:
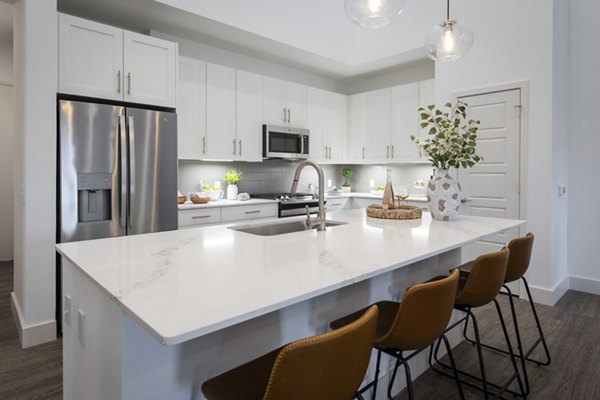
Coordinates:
column 523, row 86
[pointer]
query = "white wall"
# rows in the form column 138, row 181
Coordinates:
column 6, row 150
column 36, row 82
column 513, row 42
column 584, row 144
column 6, row 60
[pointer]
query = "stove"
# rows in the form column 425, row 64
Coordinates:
column 292, row 204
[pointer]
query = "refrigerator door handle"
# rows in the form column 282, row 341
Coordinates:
column 131, row 169
column 123, row 142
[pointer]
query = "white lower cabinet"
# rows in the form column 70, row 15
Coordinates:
column 199, row 216
column 337, row 204
column 242, row 213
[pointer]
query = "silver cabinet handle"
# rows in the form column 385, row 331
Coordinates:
column 466, row 200
column 119, row 82
column 387, row 155
column 326, row 152
column 123, row 162
column 289, row 115
column 234, row 148
column 392, row 151
column 129, row 83
column 253, row 212
column 204, row 145
column 363, row 152
column 284, row 114
column 131, row 169
column 330, row 152
column 200, row 216
column 240, row 147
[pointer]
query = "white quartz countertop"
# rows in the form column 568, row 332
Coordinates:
column 226, row 203
column 183, row 284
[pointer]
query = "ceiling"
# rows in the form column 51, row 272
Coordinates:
column 6, row 21
column 314, row 35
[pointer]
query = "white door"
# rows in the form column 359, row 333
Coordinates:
column 336, row 118
column 274, row 106
column 221, row 143
column 191, row 110
column 493, row 184
column 6, row 172
column 249, row 116
column 316, row 103
column 405, row 122
column 296, row 102
column 357, row 127
column 379, row 125
column 90, row 58
column 150, row 66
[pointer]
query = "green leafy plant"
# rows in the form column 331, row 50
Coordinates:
column 346, row 174
column 453, row 139
column 232, row 177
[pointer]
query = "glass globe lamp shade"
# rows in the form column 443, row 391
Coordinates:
column 448, row 41
column 373, row 14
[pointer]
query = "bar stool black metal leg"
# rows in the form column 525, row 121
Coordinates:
column 541, row 339
column 377, row 369
column 518, row 335
column 451, row 357
column 480, row 355
column 512, row 354
column 409, row 389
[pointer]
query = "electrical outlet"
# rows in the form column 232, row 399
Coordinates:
column 67, row 310
column 81, row 327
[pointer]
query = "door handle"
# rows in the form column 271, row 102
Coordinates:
column 392, row 151
column 119, row 82
column 129, row 83
column 123, row 143
column 204, row 145
column 387, row 154
column 234, row 148
column 284, row 114
column 289, row 115
column 253, row 212
column 240, row 147
column 363, row 152
column 200, row 216
column 466, row 200
column 131, row 169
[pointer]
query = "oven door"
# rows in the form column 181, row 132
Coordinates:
column 284, row 142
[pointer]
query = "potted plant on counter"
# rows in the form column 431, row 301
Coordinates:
column 232, row 177
column 452, row 144
column 346, row 174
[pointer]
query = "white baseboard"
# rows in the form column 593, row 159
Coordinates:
column 31, row 335
column 584, row 284
column 548, row 296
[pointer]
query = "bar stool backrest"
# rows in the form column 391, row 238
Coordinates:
column 423, row 314
column 330, row 366
column 520, row 256
column 485, row 279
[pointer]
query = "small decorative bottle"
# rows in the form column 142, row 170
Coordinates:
column 388, row 194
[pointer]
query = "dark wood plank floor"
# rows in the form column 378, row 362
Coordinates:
column 572, row 328
column 33, row 373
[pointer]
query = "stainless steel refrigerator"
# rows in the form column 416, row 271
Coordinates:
column 117, row 171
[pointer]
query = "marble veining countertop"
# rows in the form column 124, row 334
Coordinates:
column 226, row 203
column 183, row 284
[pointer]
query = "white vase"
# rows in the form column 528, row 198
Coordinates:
column 443, row 196
column 232, row 191
column 346, row 189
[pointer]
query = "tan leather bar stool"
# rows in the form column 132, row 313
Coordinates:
column 477, row 288
column 330, row 366
column 411, row 325
column 518, row 263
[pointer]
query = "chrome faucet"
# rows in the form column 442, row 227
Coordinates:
column 318, row 222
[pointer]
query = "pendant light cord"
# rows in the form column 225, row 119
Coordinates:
column 448, row 10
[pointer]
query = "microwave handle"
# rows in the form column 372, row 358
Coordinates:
column 301, row 144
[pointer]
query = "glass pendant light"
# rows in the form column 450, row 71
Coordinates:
column 373, row 14
column 448, row 41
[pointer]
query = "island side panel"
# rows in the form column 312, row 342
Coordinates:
column 92, row 366
column 153, row 371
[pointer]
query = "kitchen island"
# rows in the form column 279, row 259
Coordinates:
column 153, row 316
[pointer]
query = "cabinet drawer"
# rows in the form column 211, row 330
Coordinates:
column 199, row 216
column 238, row 213
column 336, row 204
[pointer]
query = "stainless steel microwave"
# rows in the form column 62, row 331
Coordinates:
column 285, row 142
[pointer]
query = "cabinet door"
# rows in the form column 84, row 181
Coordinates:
column 379, row 125
column 426, row 97
column 274, row 106
column 249, row 116
column 316, row 103
column 357, row 127
column 405, row 114
column 296, row 103
column 336, row 124
column 191, row 109
column 221, row 143
column 90, row 58
column 150, row 67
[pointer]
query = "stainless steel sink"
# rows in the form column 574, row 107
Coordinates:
column 278, row 228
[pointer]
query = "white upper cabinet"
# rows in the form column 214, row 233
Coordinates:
column 357, row 127
column 284, row 103
column 336, row 127
column 221, row 112
column 405, row 122
column 191, row 109
column 249, row 116
column 379, row 125
column 91, row 58
column 150, row 66
column 426, row 97
column 315, row 114
column 101, row 61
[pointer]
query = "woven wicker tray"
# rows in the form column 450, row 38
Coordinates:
column 398, row 212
